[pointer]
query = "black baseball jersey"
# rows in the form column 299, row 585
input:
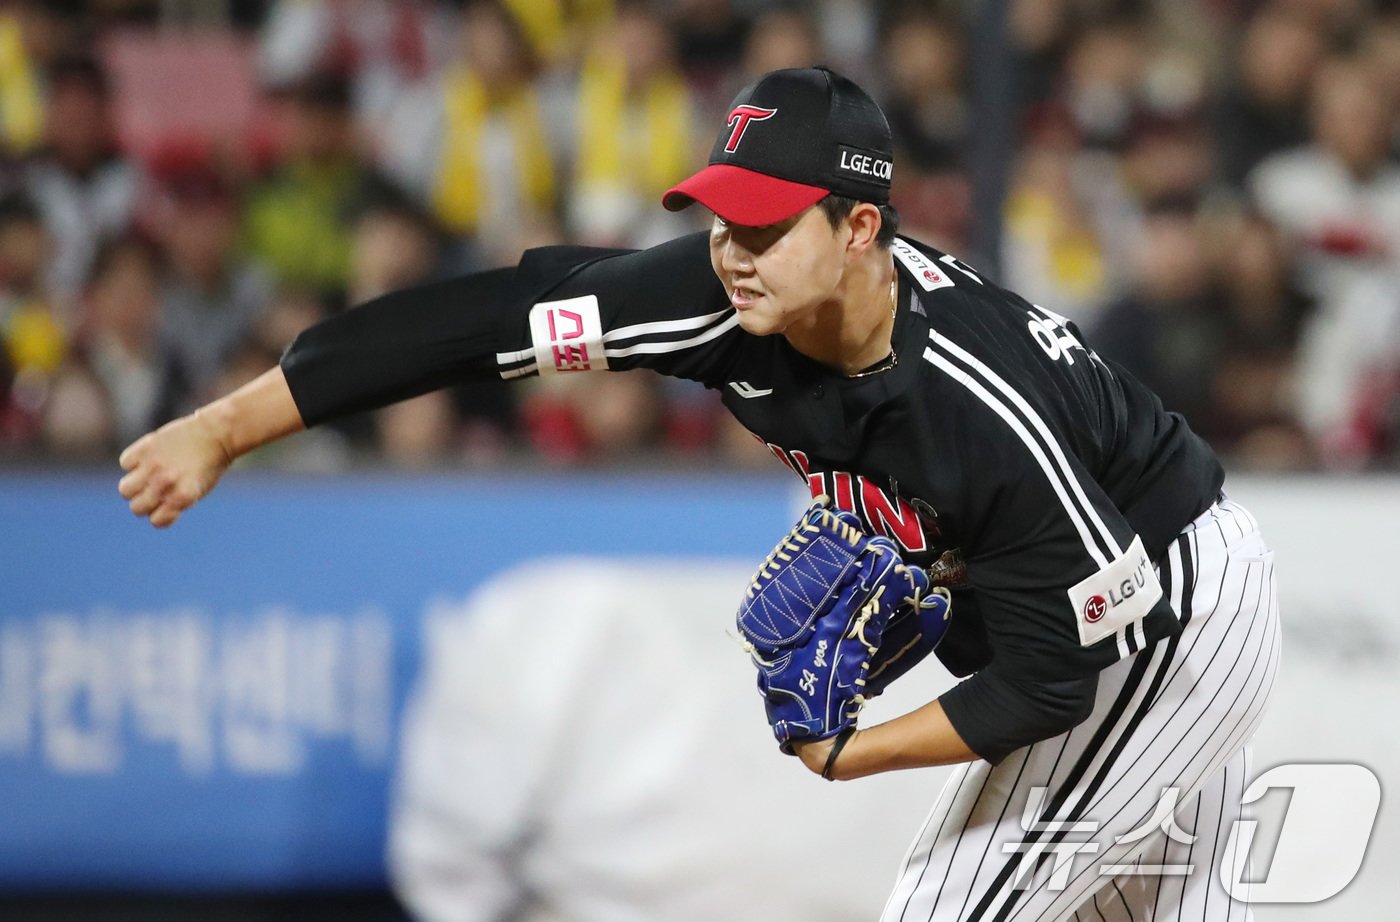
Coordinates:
column 998, row 431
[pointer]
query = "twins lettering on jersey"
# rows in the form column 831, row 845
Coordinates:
column 884, row 513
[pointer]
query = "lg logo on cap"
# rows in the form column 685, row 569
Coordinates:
column 739, row 121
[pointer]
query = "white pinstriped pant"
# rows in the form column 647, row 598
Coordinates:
column 1179, row 714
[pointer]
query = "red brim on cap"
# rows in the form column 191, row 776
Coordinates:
column 742, row 196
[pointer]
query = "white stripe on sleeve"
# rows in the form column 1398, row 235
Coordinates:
column 1034, row 419
column 664, row 326
column 676, row 346
column 1056, row 480
column 520, row 372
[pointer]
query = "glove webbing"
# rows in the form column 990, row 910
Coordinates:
column 797, row 537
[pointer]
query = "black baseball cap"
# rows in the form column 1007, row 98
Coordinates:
column 791, row 138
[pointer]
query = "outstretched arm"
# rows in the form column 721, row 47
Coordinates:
column 174, row 467
column 500, row 324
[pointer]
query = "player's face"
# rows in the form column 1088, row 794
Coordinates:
column 780, row 274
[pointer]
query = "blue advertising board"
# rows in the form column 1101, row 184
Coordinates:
column 216, row 705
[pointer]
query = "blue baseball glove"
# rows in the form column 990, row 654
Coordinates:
column 830, row 619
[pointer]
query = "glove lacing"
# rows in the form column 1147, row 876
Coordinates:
column 857, row 632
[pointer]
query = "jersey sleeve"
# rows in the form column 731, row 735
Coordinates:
column 1063, row 583
column 662, row 308
column 560, row 310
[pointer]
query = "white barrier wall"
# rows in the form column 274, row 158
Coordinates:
column 604, row 756
column 1338, row 696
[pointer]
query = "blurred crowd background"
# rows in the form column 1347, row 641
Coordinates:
column 1209, row 187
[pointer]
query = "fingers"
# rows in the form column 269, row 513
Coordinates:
column 165, row 516
column 162, row 501
column 132, row 484
column 150, row 491
column 162, row 510
column 131, row 456
column 149, row 499
column 135, row 481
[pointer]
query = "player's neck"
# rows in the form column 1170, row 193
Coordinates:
column 852, row 331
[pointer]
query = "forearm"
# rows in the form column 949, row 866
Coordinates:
column 259, row 412
column 987, row 717
column 919, row 739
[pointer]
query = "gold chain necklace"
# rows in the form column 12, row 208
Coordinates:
column 891, row 360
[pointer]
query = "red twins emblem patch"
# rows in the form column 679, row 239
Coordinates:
column 1095, row 608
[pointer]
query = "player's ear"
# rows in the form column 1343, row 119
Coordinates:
column 864, row 221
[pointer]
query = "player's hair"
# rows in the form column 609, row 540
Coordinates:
column 836, row 207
